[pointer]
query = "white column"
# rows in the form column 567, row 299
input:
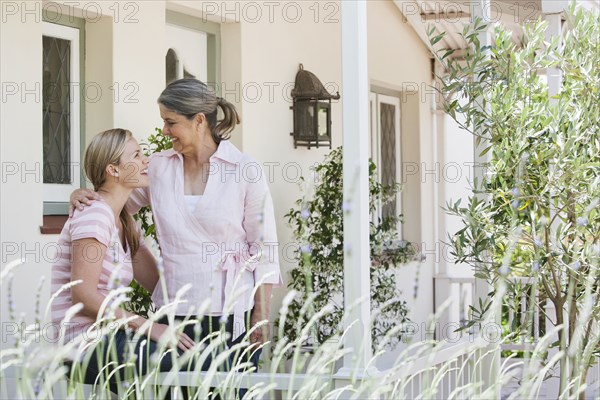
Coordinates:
column 481, row 10
column 442, row 281
column 490, row 364
column 355, row 123
column 554, row 74
column 552, row 12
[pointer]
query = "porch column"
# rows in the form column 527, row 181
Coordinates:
column 355, row 125
column 490, row 364
column 552, row 12
column 442, row 280
column 481, row 10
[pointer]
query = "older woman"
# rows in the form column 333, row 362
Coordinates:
column 103, row 249
column 213, row 213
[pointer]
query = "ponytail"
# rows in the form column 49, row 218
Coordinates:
column 230, row 119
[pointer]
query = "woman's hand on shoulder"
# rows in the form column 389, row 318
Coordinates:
column 81, row 198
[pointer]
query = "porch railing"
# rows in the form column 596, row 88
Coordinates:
column 460, row 292
column 522, row 308
column 437, row 373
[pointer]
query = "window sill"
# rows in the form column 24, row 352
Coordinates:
column 53, row 224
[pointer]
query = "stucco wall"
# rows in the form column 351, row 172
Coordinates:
column 139, row 50
column 21, row 153
column 99, row 71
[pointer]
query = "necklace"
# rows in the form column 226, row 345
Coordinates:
column 115, row 247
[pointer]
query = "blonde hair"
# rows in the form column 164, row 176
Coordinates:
column 106, row 148
column 189, row 97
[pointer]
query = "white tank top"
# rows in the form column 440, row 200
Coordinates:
column 192, row 201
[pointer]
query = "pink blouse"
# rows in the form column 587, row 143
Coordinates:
column 224, row 248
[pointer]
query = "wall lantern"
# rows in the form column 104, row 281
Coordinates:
column 312, row 111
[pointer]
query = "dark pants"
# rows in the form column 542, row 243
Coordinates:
column 209, row 325
column 117, row 349
column 114, row 351
column 213, row 324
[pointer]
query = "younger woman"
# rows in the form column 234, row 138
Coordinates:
column 102, row 247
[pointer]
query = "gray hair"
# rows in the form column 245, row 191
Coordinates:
column 189, row 97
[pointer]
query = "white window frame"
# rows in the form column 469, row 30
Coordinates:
column 55, row 192
column 375, row 101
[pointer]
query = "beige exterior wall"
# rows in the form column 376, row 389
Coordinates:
column 267, row 119
column 231, row 71
column 99, row 71
column 139, row 50
column 260, row 58
column 21, row 154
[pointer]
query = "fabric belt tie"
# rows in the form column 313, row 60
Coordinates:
column 234, row 265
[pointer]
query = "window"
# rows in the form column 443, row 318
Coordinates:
column 193, row 49
column 385, row 149
column 187, row 56
column 61, row 112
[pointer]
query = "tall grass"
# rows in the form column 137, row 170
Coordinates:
column 425, row 369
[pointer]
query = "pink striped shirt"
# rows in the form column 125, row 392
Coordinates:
column 97, row 222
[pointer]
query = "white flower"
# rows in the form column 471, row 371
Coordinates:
column 306, row 249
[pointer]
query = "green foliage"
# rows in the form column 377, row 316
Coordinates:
column 156, row 143
column 536, row 212
column 141, row 300
column 318, row 225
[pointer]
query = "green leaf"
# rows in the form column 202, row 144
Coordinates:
column 437, row 38
column 448, row 53
column 484, row 152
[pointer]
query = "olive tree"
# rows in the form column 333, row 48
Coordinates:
column 536, row 212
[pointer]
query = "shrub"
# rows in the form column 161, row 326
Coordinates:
column 318, row 226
